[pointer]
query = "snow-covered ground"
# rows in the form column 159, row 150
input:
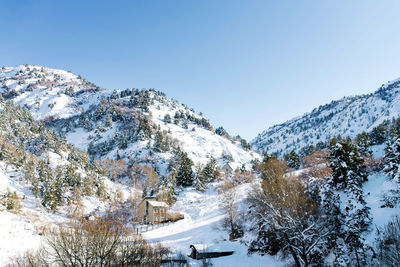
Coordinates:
column 202, row 228
column 17, row 235
column 378, row 184
column 18, row 231
column 23, row 230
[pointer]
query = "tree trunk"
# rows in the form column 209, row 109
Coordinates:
column 296, row 259
column 358, row 260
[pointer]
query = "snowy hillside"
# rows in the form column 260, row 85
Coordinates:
column 43, row 180
column 346, row 117
column 47, row 93
column 23, row 217
column 17, row 229
column 119, row 123
column 199, row 142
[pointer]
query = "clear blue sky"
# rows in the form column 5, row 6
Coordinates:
column 245, row 64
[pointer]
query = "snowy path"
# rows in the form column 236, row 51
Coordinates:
column 202, row 227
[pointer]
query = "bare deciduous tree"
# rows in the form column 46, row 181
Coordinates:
column 285, row 218
column 228, row 197
column 99, row 242
column 388, row 243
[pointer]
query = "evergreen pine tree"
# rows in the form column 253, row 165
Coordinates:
column 108, row 121
column 29, row 170
column 364, row 143
column 158, row 142
column 210, row 170
column 351, row 220
column 293, row 160
column 348, row 169
column 49, row 191
column 200, row 181
column 392, row 158
column 184, row 176
column 167, row 118
column 378, row 134
column 243, row 168
column 392, row 169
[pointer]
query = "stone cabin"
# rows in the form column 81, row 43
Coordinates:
column 151, row 211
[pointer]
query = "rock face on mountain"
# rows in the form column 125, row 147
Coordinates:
column 346, row 117
column 142, row 126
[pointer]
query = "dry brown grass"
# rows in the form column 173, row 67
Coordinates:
column 316, row 158
column 320, row 171
column 12, row 202
column 174, row 216
column 373, row 165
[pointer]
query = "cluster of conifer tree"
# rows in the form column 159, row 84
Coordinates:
column 28, row 146
column 329, row 216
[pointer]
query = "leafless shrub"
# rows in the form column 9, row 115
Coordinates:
column 388, row 243
column 373, row 165
column 98, row 242
column 11, row 201
column 206, row 262
column 228, row 202
column 319, row 171
column 240, row 177
column 174, row 216
column 30, row 259
column 316, row 158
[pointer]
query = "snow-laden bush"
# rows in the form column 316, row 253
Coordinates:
column 388, row 243
column 284, row 218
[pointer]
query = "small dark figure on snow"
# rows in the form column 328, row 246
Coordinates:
column 193, row 254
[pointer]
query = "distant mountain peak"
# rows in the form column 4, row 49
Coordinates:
column 346, row 117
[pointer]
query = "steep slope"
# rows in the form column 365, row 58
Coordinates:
column 55, row 170
column 39, row 172
column 143, row 126
column 20, row 227
column 346, row 117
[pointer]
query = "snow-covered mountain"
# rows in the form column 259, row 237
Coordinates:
column 346, row 117
column 45, row 180
column 40, row 171
column 48, row 93
column 139, row 125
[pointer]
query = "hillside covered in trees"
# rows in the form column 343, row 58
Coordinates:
column 76, row 160
column 346, row 117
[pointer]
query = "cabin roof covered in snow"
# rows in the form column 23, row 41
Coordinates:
column 152, row 201
column 228, row 165
column 155, row 203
